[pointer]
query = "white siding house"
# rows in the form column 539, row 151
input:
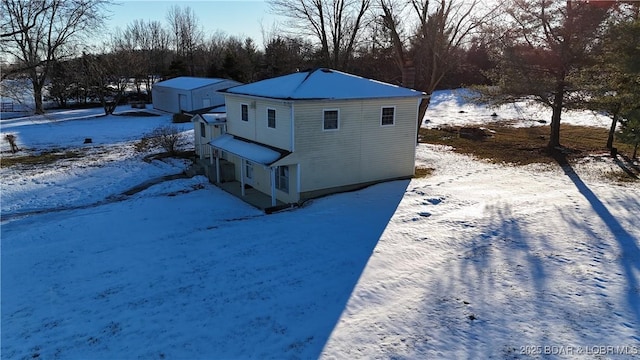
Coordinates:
column 185, row 94
column 206, row 127
column 317, row 132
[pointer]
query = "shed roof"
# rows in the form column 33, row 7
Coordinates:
column 190, row 83
column 322, row 84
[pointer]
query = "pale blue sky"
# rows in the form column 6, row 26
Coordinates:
column 237, row 18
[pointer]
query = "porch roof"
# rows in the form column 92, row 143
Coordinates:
column 246, row 150
column 290, row 159
column 212, row 119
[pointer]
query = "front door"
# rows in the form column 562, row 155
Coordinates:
column 248, row 172
column 182, row 101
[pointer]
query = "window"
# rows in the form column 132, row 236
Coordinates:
column 388, row 116
column 330, row 120
column 271, row 118
column 203, row 130
column 244, row 109
column 282, row 178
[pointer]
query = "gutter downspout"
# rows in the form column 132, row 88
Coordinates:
column 293, row 129
column 242, row 176
column 218, row 170
column 298, row 181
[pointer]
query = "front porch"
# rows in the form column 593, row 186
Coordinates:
column 251, row 196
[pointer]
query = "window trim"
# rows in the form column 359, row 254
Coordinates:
column 242, row 107
column 275, row 118
column 324, row 111
column 203, row 130
column 382, row 116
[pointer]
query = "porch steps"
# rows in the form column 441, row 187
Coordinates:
column 194, row 169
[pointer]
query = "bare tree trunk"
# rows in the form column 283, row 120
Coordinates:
column 422, row 110
column 554, row 137
column 37, row 97
column 612, row 130
column 409, row 74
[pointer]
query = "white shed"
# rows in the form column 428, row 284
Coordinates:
column 185, row 94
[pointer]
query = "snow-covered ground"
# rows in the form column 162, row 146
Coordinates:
column 449, row 107
column 476, row 261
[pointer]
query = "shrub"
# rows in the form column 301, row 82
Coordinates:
column 181, row 118
column 11, row 138
column 143, row 145
column 167, row 137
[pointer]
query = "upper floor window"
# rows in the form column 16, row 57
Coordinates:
column 388, row 116
column 203, row 130
column 330, row 119
column 271, row 118
column 244, row 109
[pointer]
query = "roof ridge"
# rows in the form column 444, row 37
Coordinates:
column 328, row 84
column 309, row 73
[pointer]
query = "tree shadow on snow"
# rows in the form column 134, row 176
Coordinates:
column 630, row 252
column 519, row 284
column 491, row 292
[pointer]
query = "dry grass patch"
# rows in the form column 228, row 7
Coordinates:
column 620, row 176
column 423, row 172
column 40, row 159
column 523, row 145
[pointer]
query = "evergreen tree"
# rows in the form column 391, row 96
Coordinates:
column 612, row 83
column 545, row 44
column 630, row 130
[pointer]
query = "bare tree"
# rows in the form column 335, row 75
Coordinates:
column 188, row 35
column 8, row 30
column 36, row 33
column 335, row 24
column 146, row 46
column 214, row 51
column 108, row 76
column 283, row 56
column 427, row 53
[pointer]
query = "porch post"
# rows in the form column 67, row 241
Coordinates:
column 273, row 186
column 242, row 176
column 298, row 180
column 217, row 170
